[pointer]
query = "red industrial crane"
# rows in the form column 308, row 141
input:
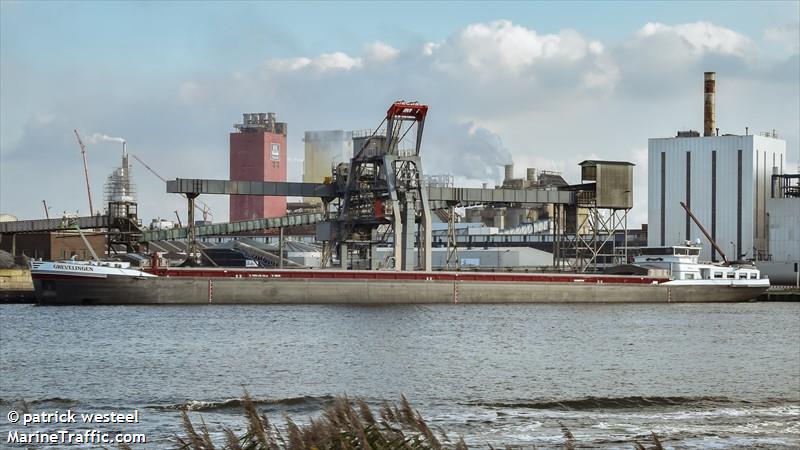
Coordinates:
column 85, row 172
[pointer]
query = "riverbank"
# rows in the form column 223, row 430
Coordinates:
column 781, row 294
column 16, row 286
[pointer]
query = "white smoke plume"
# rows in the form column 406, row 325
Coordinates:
column 97, row 137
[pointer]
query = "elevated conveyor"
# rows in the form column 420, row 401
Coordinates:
column 39, row 225
column 441, row 195
column 232, row 227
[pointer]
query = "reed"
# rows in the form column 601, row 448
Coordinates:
column 345, row 424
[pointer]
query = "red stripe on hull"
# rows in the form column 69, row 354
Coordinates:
column 403, row 276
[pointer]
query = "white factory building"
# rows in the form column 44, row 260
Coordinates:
column 724, row 180
column 323, row 150
column 783, row 221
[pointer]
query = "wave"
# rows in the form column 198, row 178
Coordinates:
column 50, row 401
column 200, row 405
column 589, row 403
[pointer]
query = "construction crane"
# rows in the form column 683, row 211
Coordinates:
column 85, row 172
column 202, row 207
column 180, row 225
column 46, row 212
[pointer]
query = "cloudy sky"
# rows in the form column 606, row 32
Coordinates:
column 547, row 84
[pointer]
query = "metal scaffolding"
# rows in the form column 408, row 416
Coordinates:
column 584, row 234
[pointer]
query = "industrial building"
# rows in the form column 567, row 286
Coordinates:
column 323, row 150
column 783, row 223
column 724, row 180
column 50, row 245
column 258, row 153
column 515, row 215
column 122, row 207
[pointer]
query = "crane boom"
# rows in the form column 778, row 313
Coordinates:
column 703, row 230
column 85, row 172
column 202, row 207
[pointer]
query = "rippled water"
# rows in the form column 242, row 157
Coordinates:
column 706, row 375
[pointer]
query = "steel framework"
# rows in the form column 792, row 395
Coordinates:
column 382, row 187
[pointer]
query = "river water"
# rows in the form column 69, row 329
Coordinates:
column 698, row 375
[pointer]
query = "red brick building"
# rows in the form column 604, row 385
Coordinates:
column 258, row 153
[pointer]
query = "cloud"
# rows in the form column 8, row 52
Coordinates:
column 381, row 52
column 322, row 63
column 466, row 150
column 787, row 35
column 487, row 47
column 497, row 90
column 702, row 37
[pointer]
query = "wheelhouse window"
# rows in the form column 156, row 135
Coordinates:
column 657, row 251
column 717, row 274
column 731, row 275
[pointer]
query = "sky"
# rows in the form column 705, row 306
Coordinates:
column 545, row 84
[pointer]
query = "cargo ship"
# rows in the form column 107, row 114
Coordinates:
column 657, row 275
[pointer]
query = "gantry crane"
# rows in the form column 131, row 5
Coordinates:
column 382, row 187
column 85, row 172
column 202, row 207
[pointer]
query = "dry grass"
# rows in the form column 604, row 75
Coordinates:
column 344, row 425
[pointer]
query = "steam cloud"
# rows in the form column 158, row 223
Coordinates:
column 464, row 149
column 97, row 137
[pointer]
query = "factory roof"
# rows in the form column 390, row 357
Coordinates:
column 594, row 162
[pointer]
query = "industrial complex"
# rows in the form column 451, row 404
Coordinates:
column 365, row 203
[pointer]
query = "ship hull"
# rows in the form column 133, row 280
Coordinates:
column 53, row 290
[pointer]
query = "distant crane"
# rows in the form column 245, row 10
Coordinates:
column 202, row 207
column 179, row 219
column 85, row 172
column 46, row 212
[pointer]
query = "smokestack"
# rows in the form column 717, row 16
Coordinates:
column 710, row 121
column 509, row 172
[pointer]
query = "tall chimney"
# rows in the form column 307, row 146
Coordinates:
column 710, row 116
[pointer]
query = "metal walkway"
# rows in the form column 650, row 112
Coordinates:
column 31, row 226
column 232, row 227
column 454, row 196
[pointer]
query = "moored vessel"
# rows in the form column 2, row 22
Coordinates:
column 657, row 275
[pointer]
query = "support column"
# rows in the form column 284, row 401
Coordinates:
column 554, row 228
column 408, row 226
column 397, row 226
column 343, row 256
column 191, row 248
column 373, row 250
column 280, row 247
column 452, row 243
column 425, row 235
